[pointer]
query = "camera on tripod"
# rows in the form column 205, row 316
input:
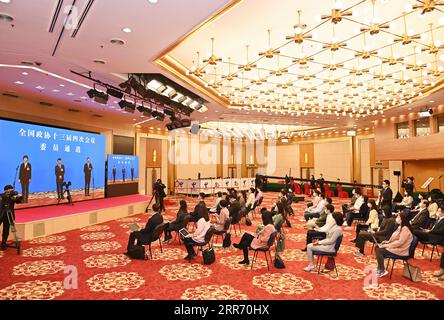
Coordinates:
column 66, row 185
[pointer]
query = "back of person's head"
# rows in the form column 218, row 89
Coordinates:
column 202, row 212
column 219, row 194
column 387, row 211
column 156, row 207
column 267, row 218
column 358, row 192
column 223, row 203
column 365, row 199
column 329, row 200
column 183, row 205
column 202, row 195
column 330, row 208
column 339, row 218
column 387, row 182
column 263, row 210
column 283, row 191
column 280, row 207
column 372, row 204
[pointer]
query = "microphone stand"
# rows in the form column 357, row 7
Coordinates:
column 15, row 178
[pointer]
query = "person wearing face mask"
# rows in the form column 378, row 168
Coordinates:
column 346, row 207
column 436, row 233
column 383, row 233
column 421, row 219
column 406, row 202
column 433, row 207
column 408, row 185
column 386, row 194
column 323, row 227
column 315, row 211
column 398, row 244
column 372, row 221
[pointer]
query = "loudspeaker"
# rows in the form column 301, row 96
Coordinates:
column 397, row 173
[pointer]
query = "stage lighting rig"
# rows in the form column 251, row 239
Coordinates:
column 98, row 96
column 127, row 106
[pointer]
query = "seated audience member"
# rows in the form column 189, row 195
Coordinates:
column 360, row 214
column 243, row 198
column 316, row 199
column 145, row 235
column 258, row 195
column 198, row 236
column 279, row 214
column 290, row 196
column 283, row 195
column 346, row 207
column 372, row 221
column 353, row 210
column 433, row 207
column 436, row 233
column 416, row 202
column 421, row 219
column 255, row 242
column 250, row 202
column 315, row 211
column 383, row 233
column 408, row 185
column 321, row 220
column 322, row 227
column 407, row 202
column 215, row 208
column 194, row 216
column 399, row 243
column 235, row 210
column 326, row 245
column 223, row 215
column 177, row 224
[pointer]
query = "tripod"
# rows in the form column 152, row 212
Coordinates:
column 11, row 221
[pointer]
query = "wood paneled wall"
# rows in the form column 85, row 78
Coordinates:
column 421, row 170
column 306, row 155
column 153, row 153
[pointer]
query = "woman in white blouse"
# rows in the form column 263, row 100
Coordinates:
column 222, row 217
column 198, row 236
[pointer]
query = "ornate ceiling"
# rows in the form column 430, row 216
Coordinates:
column 319, row 57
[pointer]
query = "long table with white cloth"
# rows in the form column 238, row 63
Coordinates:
column 212, row 186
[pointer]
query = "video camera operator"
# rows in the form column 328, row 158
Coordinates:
column 159, row 193
column 7, row 214
column 408, row 185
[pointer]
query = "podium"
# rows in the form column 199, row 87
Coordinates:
column 427, row 184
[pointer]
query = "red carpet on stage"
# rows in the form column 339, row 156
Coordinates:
column 41, row 213
column 94, row 257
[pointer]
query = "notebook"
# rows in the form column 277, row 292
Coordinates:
column 184, row 232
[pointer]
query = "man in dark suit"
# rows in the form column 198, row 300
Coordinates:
column 132, row 173
column 60, row 177
column 145, row 235
column 123, row 173
column 234, row 209
column 386, row 195
column 321, row 182
column 87, row 168
column 436, row 233
column 114, row 174
column 25, row 178
column 421, row 219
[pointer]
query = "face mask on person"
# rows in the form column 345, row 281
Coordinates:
column 430, row 199
column 398, row 220
column 406, row 194
column 369, row 205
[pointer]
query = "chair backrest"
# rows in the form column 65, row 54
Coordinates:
column 227, row 224
column 413, row 245
column 338, row 242
column 209, row 234
column 185, row 221
column 339, row 186
column 158, row 231
column 272, row 238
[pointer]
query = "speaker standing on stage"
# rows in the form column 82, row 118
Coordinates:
column 25, row 178
column 87, row 168
column 123, row 173
column 60, row 177
column 114, row 174
column 8, row 199
column 159, row 193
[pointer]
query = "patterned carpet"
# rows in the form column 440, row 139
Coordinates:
column 104, row 272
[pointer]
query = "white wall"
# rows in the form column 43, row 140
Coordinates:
column 365, row 161
column 333, row 160
column 287, row 156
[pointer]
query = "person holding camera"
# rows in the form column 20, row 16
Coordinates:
column 7, row 214
column 60, row 177
column 159, row 193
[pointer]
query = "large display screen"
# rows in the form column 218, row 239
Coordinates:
column 123, row 169
column 47, row 163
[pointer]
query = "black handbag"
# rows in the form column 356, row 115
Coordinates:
column 208, row 256
column 248, row 222
column 137, row 252
column 227, row 241
column 278, row 262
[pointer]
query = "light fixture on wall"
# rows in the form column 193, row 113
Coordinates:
column 425, row 113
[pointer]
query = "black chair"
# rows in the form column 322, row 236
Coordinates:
column 265, row 250
column 157, row 233
column 184, row 224
column 221, row 233
column 207, row 240
column 434, row 245
column 235, row 221
column 322, row 254
column 405, row 259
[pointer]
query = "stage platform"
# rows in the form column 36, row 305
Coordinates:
column 43, row 221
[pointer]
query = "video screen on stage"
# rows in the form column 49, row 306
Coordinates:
column 49, row 165
column 123, row 169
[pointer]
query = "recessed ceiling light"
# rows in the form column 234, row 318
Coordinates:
column 62, row 85
column 19, row 82
column 153, row 1
column 117, row 42
column 40, row 88
column 70, row 94
column 6, row 17
column 431, row 101
column 99, row 61
column 5, row 1
column 126, row 30
column 55, row 90
column 23, row 73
